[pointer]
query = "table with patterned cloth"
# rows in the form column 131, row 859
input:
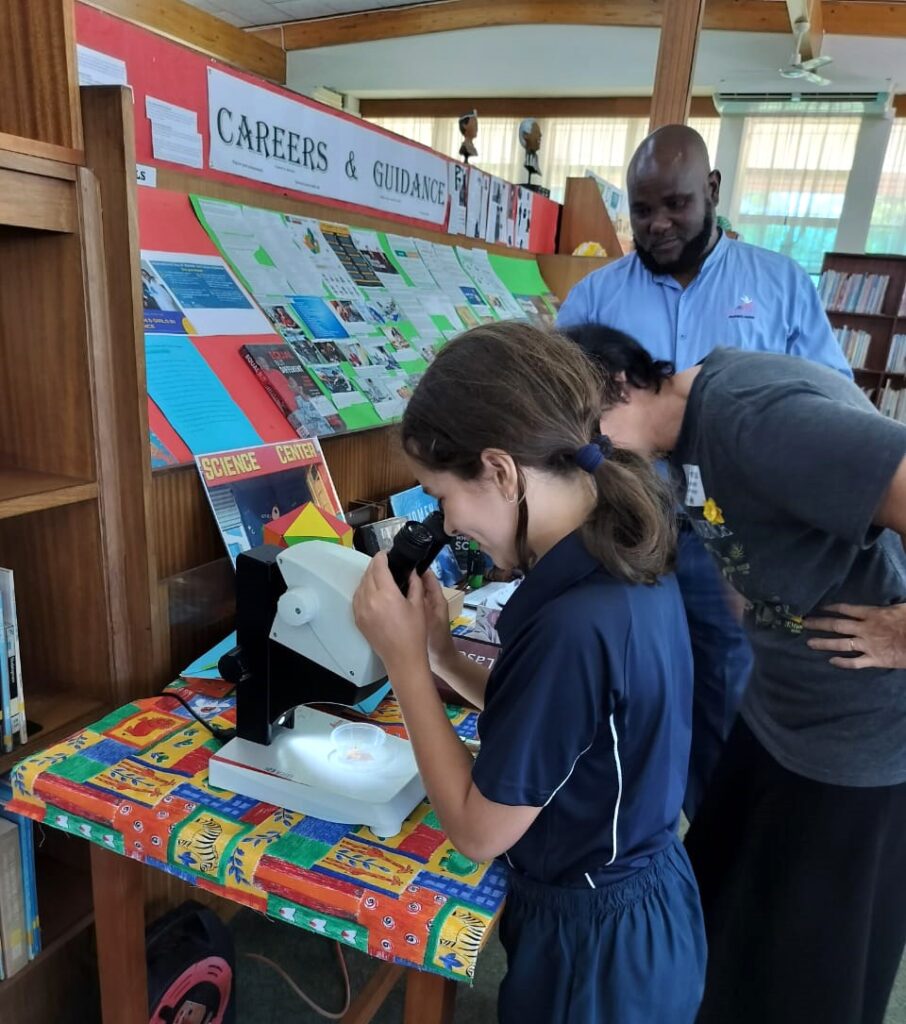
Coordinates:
column 136, row 782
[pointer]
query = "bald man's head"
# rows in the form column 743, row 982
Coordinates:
column 673, row 194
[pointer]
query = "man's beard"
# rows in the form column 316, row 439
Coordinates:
column 690, row 256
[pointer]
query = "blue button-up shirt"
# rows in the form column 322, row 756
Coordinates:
column 743, row 297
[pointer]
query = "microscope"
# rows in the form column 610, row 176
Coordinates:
column 298, row 646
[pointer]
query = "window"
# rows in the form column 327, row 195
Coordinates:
column 887, row 232
column 792, row 180
column 569, row 147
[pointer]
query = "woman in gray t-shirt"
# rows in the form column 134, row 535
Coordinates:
column 797, row 487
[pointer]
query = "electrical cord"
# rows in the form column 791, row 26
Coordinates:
column 307, row 999
column 217, row 731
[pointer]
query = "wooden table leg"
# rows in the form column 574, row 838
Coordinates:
column 119, row 920
column 367, row 1003
column 430, row 999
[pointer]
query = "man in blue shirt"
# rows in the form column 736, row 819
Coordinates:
column 686, row 290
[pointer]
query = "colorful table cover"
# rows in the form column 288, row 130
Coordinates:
column 136, row 782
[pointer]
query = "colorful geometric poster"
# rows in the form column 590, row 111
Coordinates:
column 250, row 488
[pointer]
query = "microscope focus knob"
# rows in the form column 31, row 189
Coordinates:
column 297, row 606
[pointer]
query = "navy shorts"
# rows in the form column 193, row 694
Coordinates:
column 629, row 953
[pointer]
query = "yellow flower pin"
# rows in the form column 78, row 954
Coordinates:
column 712, row 512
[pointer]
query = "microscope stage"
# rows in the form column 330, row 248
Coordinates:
column 304, row 769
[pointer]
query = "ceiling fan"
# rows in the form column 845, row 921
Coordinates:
column 807, row 69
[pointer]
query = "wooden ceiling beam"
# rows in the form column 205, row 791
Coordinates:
column 677, row 48
column 203, row 32
column 529, row 106
column 846, row 17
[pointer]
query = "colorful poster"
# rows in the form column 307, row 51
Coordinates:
column 208, row 293
column 458, row 183
column 162, row 312
column 250, row 488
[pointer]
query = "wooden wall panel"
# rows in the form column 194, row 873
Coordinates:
column 38, row 78
column 114, row 303
column 585, row 219
column 562, row 272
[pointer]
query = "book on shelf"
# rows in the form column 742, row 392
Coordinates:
column 896, row 357
column 853, row 293
column 892, row 402
column 13, row 929
column 12, row 696
column 854, row 343
column 29, row 874
column 902, row 310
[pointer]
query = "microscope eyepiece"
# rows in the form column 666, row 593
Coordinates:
column 415, row 547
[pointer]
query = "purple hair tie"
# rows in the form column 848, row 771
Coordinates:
column 590, row 456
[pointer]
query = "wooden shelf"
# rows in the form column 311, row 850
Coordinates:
column 861, row 316
column 65, row 908
column 23, row 491
column 59, row 715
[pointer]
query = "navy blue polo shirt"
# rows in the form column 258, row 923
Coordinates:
column 588, row 715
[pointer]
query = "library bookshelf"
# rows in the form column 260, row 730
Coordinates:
column 874, row 316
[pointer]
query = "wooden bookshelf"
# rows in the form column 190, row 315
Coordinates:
column 882, row 326
column 67, row 528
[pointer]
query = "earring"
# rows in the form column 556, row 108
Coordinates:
column 510, row 499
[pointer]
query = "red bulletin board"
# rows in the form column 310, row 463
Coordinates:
column 171, row 72
column 167, row 223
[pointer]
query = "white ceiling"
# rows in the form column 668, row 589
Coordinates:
column 543, row 60
column 270, row 12
column 566, row 60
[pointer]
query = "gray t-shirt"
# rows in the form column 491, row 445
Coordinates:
column 782, row 466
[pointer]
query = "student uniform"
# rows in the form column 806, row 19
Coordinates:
column 588, row 715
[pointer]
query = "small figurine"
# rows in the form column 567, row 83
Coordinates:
column 468, row 127
column 530, row 140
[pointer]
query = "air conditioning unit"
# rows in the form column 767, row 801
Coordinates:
column 803, row 103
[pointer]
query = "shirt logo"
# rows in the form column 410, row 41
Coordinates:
column 744, row 309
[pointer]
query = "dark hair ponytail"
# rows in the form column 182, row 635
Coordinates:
column 632, row 529
column 535, row 395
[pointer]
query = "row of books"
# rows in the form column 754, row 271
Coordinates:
column 896, row 357
column 853, row 293
column 20, row 928
column 854, row 344
column 13, row 727
column 892, row 402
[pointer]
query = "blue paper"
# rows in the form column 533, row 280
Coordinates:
column 201, row 285
column 318, row 317
column 189, row 394
column 205, row 666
